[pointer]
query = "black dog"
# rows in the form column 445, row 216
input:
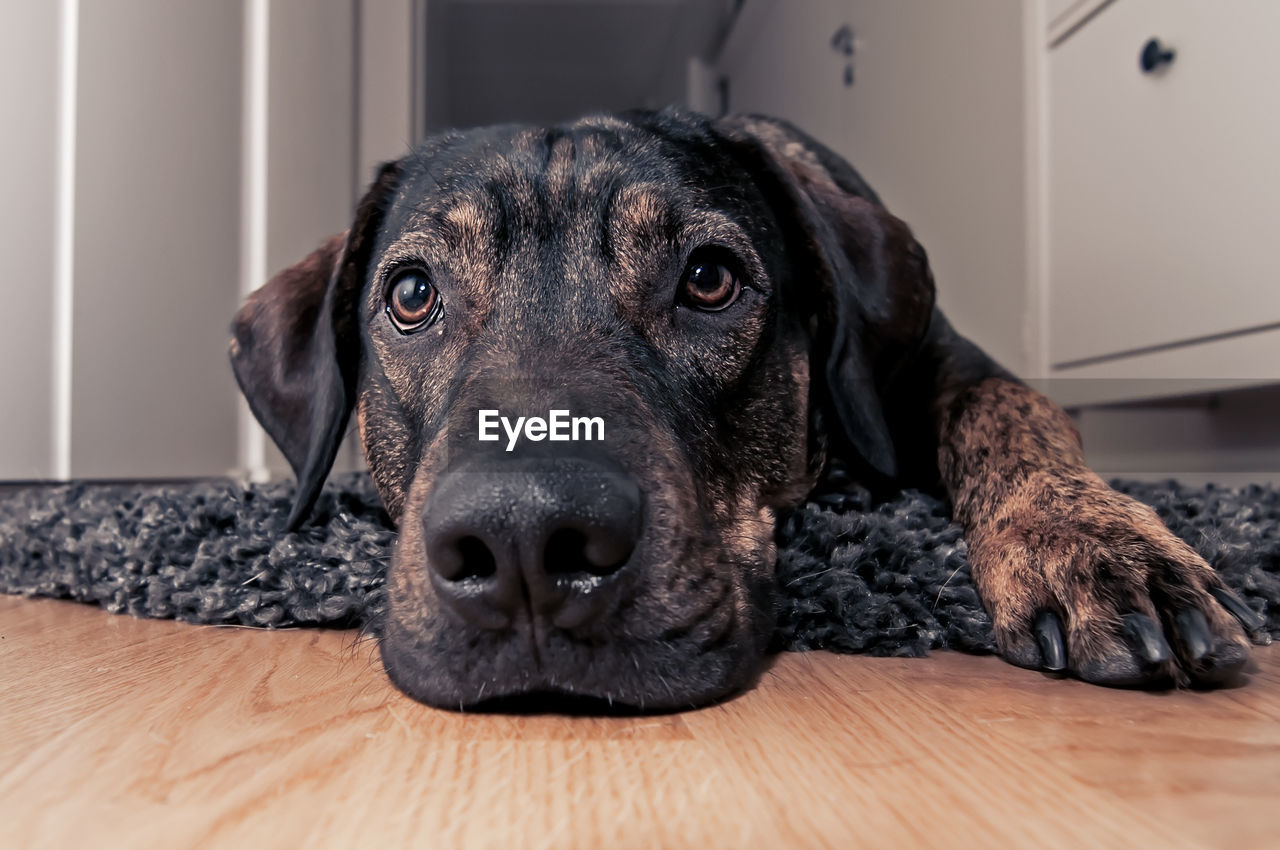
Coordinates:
column 719, row 309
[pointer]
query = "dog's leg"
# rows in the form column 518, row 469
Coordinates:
column 1075, row 575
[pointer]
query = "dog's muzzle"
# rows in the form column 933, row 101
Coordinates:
column 548, row 538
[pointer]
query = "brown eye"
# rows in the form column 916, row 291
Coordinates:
column 412, row 302
column 708, row 284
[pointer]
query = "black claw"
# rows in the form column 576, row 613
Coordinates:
column 1249, row 618
column 1193, row 632
column 1146, row 638
column 1048, row 632
column 1225, row 664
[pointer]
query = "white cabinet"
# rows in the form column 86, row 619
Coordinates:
column 934, row 120
column 1162, row 201
column 1106, row 228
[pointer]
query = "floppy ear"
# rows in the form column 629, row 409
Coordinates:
column 295, row 347
column 870, row 293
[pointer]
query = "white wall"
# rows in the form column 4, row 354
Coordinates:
column 941, row 137
column 542, row 61
column 29, row 57
column 156, row 238
column 388, row 65
column 208, row 144
column 312, row 136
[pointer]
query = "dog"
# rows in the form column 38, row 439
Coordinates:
column 739, row 311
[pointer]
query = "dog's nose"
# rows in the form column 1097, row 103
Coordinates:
column 548, row 536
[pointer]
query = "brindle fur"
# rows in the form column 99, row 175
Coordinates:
column 1045, row 533
column 557, row 253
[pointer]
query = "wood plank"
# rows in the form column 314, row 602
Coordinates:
column 130, row 733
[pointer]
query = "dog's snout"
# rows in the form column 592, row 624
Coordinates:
column 550, row 538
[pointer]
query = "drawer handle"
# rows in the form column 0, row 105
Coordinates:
column 1154, row 56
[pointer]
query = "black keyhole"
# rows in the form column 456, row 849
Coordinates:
column 1154, row 56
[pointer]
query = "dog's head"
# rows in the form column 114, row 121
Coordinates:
column 589, row 365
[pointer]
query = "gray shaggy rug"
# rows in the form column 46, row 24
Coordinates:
column 854, row 574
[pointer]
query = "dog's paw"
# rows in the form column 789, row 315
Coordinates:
column 1081, row 579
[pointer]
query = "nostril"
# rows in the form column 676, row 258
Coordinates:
column 472, row 559
column 572, row 552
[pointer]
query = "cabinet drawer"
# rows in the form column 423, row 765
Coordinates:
column 1065, row 15
column 1163, row 188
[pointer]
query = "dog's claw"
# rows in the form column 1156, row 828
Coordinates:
column 1146, row 638
column 1249, row 618
column 1048, row 632
column 1193, row 632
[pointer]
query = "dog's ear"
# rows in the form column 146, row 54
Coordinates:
column 295, row 346
column 857, row 272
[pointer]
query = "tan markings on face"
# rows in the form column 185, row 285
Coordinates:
column 559, row 168
column 784, row 146
column 746, row 526
column 594, row 145
column 410, row 587
column 525, row 142
column 645, row 228
column 640, row 213
column 385, row 438
column 603, row 122
column 468, row 223
column 417, row 247
column 749, row 540
column 758, row 532
column 600, row 174
column 800, row 374
column 807, row 461
column 415, row 379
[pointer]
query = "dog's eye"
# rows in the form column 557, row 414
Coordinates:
column 708, row 283
column 412, row 302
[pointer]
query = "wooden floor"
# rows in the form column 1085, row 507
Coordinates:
column 117, row 732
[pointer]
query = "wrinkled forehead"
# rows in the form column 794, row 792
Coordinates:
column 599, row 183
